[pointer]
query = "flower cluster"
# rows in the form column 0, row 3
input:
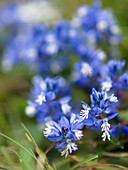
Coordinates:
column 56, row 50
column 26, row 13
column 68, row 129
column 103, row 109
column 49, row 99
column 98, row 23
column 39, row 44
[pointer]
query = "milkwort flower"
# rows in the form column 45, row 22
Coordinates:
column 46, row 47
column 117, row 130
column 49, row 98
column 114, row 68
column 99, row 24
column 124, row 129
column 64, row 133
column 112, row 76
column 88, row 69
column 62, row 29
column 123, row 80
column 102, row 110
column 115, row 78
column 20, row 49
column 38, row 46
column 6, row 11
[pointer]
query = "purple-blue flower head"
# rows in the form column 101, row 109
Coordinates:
column 123, row 80
column 89, row 68
column 112, row 77
column 115, row 67
column 98, row 23
column 102, row 110
column 65, row 132
column 49, row 98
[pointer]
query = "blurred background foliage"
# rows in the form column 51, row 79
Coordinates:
column 14, row 92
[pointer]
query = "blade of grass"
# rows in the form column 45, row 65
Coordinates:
column 41, row 156
column 103, row 165
column 40, row 163
column 2, row 168
column 7, row 157
column 17, row 143
column 26, row 150
column 21, row 160
column 118, row 155
column 31, row 137
column 84, row 162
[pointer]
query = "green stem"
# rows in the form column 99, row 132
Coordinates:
column 104, row 165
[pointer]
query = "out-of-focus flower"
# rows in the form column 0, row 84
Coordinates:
column 113, row 76
column 89, row 68
column 28, row 13
column 123, row 80
column 99, row 24
column 49, row 99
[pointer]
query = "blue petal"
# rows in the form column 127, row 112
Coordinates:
column 64, row 122
column 112, row 115
column 50, row 95
column 125, row 130
column 88, row 122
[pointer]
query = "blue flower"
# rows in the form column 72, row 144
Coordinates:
column 99, row 24
column 49, row 99
column 124, row 129
column 65, row 132
column 62, row 29
column 102, row 100
column 101, row 111
column 6, row 11
column 89, row 67
column 115, row 130
column 20, row 49
column 111, row 77
column 123, row 80
column 114, row 68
